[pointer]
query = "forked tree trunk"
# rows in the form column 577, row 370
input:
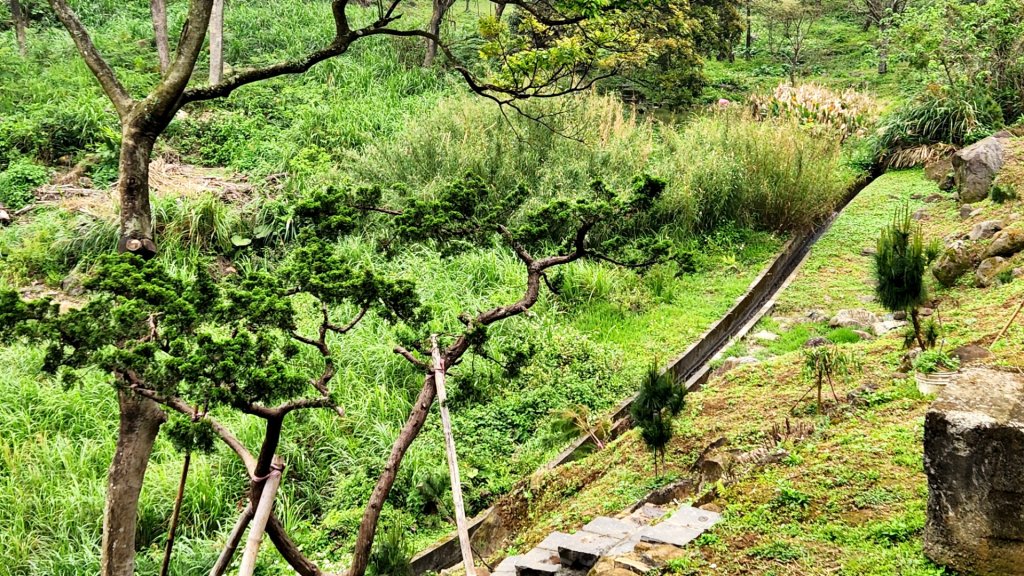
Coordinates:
column 499, row 9
column 140, row 420
column 133, row 192
column 217, row 42
column 411, row 429
column 20, row 23
column 434, row 28
column 158, row 10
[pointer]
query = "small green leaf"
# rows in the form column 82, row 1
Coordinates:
column 240, row 241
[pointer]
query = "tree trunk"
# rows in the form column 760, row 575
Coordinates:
column 750, row 32
column 140, row 420
column 883, row 51
column 434, row 28
column 289, row 550
column 20, row 23
column 217, row 42
column 158, row 10
column 411, row 429
column 133, row 191
column 499, row 9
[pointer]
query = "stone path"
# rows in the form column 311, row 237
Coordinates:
column 564, row 554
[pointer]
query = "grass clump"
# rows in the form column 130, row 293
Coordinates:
column 18, row 182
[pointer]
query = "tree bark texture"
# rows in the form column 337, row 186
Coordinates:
column 158, row 10
column 133, row 192
column 140, row 420
column 434, row 28
column 499, row 9
column 217, row 42
column 411, row 429
column 20, row 23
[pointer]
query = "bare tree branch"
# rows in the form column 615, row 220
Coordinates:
column 117, row 93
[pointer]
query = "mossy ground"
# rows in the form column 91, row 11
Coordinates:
column 850, row 495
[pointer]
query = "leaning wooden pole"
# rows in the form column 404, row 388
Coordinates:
column 261, row 517
column 453, row 464
column 221, row 566
column 175, row 514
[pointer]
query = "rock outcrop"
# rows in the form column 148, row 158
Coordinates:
column 858, row 319
column 989, row 270
column 940, row 171
column 974, row 460
column 1006, row 243
column 986, row 229
column 976, row 167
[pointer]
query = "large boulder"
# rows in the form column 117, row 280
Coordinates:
column 976, row 167
column 952, row 264
column 988, row 270
column 858, row 319
column 974, row 460
column 1006, row 243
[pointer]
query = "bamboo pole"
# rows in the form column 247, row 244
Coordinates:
column 260, row 519
column 453, row 465
column 233, row 540
column 1007, row 327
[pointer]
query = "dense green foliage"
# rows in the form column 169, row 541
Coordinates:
column 661, row 397
column 901, row 260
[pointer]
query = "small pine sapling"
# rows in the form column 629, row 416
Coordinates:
column 826, row 364
column 901, row 259
column 660, row 398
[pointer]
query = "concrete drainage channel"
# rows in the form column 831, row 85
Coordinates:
column 489, row 529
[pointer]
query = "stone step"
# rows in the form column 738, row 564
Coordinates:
column 666, row 533
column 613, row 527
column 538, row 562
column 690, row 517
column 646, row 514
column 506, row 567
column 583, row 549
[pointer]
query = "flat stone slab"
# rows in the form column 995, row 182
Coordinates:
column 646, row 514
column 690, row 517
column 506, row 567
column 538, row 562
column 554, row 540
column 606, row 526
column 583, row 549
column 666, row 533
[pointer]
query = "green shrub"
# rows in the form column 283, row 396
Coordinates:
column 18, row 182
column 930, row 361
column 391, row 553
column 1002, row 192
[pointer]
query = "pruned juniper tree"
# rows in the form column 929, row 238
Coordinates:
column 196, row 346
column 193, row 346
column 594, row 41
column 660, row 399
column 901, row 260
column 617, row 227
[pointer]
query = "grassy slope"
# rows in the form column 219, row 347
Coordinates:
column 849, row 498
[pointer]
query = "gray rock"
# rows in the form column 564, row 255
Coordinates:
column 921, row 214
column 975, row 167
column 933, row 198
column 977, row 212
column 691, row 517
column 859, row 319
column 881, row 328
column 766, row 336
column 974, row 461
column 987, row 271
column 817, row 316
column 1018, row 272
column 863, row 335
column 986, row 229
column 634, row 565
column 965, row 211
column 970, row 353
column 925, row 311
column 952, row 264
column 5, row 217
column 735, row 362
column 1006, row 243
column 507, row 567
column 817, row 341
column 538, row 562
column 940, row 171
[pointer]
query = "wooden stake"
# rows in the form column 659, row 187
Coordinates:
column 453, row 465
column 175, row 515
column 216, row 42
column 233, row 540
column 259, row 520
column 1007, row 327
